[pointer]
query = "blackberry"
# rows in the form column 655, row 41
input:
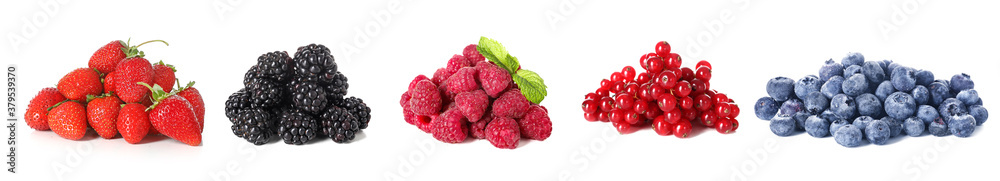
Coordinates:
column 237, row 101
column 308, row 96
column 297, row 127
column 337, row 87
column 276, row 65
column 313, row 61
column 338, row 124
column 265, row 92
column 358, row 108
column 256, row 125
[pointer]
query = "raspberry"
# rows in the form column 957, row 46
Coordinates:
column 473, row 55
column 424, row 123
column 457, row 62
column 425, row 100
column 493, row 79
column 405, row 100
column 511, row 104
column 478, row 129
column 463, row 81
column 503, row 133
column 536, row 124
column 472, row 104
column 450, row 127
column 419, row 78
column 441, row 75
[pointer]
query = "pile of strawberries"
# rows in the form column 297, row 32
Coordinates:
column 670, row 98
column 120, row 92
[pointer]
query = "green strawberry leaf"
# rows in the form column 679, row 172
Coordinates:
column 532, row 86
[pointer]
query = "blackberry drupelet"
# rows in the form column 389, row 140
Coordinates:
column 239, row 100
column 313, row 61
column 358, row 108
column 297, row 127
column 256, row 125
column 276, row 65
column 338, row 124
column 337, row 87
column 265, row 92
column 308, row 96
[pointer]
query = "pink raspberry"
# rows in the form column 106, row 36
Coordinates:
column 450, row 127
column 473, row 104
column 425, row 99
column 478, row 129
column 503, row 133
column 441, row 75
column 473, row 55
column 463, row 81
column 511, row 104
column 410, row 117
column 404, row 100
column 493, row 78
column 424, row 122
column 536, row 124
column 419, row 78
column 457, row 62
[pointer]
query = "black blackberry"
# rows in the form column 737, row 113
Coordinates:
column 358, row 108
column 338, row 124
column 308, row 96
column 265, row 92
column 256, row 125
column 276, row 65
column 313, row 61
column 237, row 101
column 337, row 86
column 297, row 127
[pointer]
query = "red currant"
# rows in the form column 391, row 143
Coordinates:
column 617, row 77
column 607, row 104
column 652, row 112
column 640, row 107
column 672, row 61
column 667, row 80
column 698, row 86
column 622, row 127
column 685, row 102
column 624, row 101
column 687, row 74
column 724, row 126
column 617, row 115
column 666, row 103
column 682, row 129
column 722, row 110
column 662, row 48
column 644, row 92
column 677, row 58
column 606, row 84
column 682, row 89
column 631, row 117
column 617, row 87
column 642, row 78
column 708, row 118
column 602, row 92
column 644, row 59
column 736, row 124
column 703, row 73
column 592, row 96
column 628, row 72
column 590, row 106
column 632, row 89
column 689, row 114
column 657, row 91
column 720, row 98
column 603, row 116
column 702, row 102
column 661, row 127
column 703, row 63
column 734, row 110
column 672, row 116
column 676, row 71
column 655, row 64
column 591, row 116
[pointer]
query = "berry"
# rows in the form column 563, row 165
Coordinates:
column 68, row 120
column 536, row 124
column 667, row 80
column 628, row 72
column 312, row 61
column 426, row 100
column 297, row 127
column 624, row 101
column 511, row 104
column 276, row 65
column 493, row 79
column 265, row 92
column 473, row 104
column 766, row 108
column 590, row 106
column 817, row 127
column 960, row 82
column 682, row 89
column 109, row 82
column 662, row 49
column 703, row 63
column 308, row 96
column 655, row 64
column 682, row 129
column 848, row 136
column 101, row 114
column 878, row 132
column 339, row 124
column 255, row 125
column 130, row 72
column 105, row 58
column 503, row 132
column 470, row 52
column 913, row 126
column 463, row 80
column 666, row 103
column 781, row 88
column 724, row 126
column 133, row 122
column 192, row 95
column 36, row 116
column 783, row 125
column 337, row 87
column 163, row 74
column 661, row 127
column 237, row 101
column 703, row 73
column 80, row 83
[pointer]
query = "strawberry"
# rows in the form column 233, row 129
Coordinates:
column 173, row 116
column 163, row 74
column 194, row 97
column 133, row 122
column 79, row 83
column 38, row 109
column 69, row 120
column 107, row 57
column 130, row 72
column 109, row 82
column 101, row 114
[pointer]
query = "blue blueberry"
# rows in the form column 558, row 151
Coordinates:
column 765, row 108
column 903, row 79
column 843, row 105
column 782, row 125
column 913, row 126
column 962, row 125
column 862, row 122
column 885, row 66
column 895, row 126
column 939, row 92
column 816, row 102
column 968, row 96
column 921, row 95
column 832, row 87
column 817, row 127
column 892, row 67
column 781, row 88
column 848, row 136
column 927, row 113
column 829, row 115
column 884, row 89
column 851, row 70
column 938, row 128
column 869, row 105
column 800, row 120
column 951, row 107
column 961, row 82
column 873, row 72
column 855, row 85
column 900, row 105
column 806, row 85
column 877, row 132
column 853, row 58
column 836, row 125
column 980, row 113
column 924, row 77
column 790, row 107
column 830, row 68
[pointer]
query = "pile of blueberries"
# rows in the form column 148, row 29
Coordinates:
column 847, row 97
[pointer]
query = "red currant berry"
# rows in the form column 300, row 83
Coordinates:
column 698, row 86
column 667, row 80
column 618, row 87
column 677, row 62
column 707, row 118
column 624, row 101
column 606, row 84
column 682, row 129
column 602, row 92
column 642, row 78
column 666, row 103
column 640, row 107
column 676, row 71
column 736, row 124
column 603, row 116
column 617, row 115
column 662, row 48
column 652, row 112
column 724, row 126
column 655, row 64
column 661, row 127
column 622, row 127
column 657, row 91
column 628, row 72
column 591, row 116
column 720, row 98
column 687, row 74
column 631, row 117
column 722, row 110
column 617, row 77
column 590, row 106
column 644, row 92
column 607, row 104
column 734, row 110
column 685, row 102
column 592, row 96
column 682, row 89
column 703, row 63
column 703, row 73
column 632, row 89
column 644, row 59
column 672, row 61
column 689, row 114
column 672, row 116
column 702, row 102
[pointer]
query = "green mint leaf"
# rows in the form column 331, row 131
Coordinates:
column 496, row 53
column 513, row 63
column 532, row 86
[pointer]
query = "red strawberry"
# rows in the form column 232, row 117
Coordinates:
column 38, row 109
column 69, row 120
column 133, row 122
column 101, row 114
column 109, row 82
column 79, row 83
column 194, row 97
column 128, row 74
column 163, row 74
column 173, row 116
column 107, row 57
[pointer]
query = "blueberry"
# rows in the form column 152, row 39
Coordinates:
column 877, row 132
column 782, row 125
column 765, row 108
column 927, row 113
column 892, row 67
column 903, row 78
column 832, row 87
column 806, row 85
column 951, row 107
column 843, row 105
column 939, row 92
column 855, row 85
column 800, row 120
column 961, row 82
column 900, row 105
column 817, row 127
column 968, row 96
column 830, row 68
column 853, row 58
column 873, row 72
column 848, row 136
column 851, row 70
column 913, row 126
column 980, row 113
column 885, row 66
column 921, row 95
column 895, row 126
column 924, row 77
column 781, row 88
column 836, row 125
column 829, row 115
column 938, row 128
column 962, row 125
column 869, row 105
column 884, row 89
column 862, row 121
column 816, row 102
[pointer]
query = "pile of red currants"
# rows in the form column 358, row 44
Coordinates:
column 670, row 98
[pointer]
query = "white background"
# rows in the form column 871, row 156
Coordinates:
column 214, row 42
